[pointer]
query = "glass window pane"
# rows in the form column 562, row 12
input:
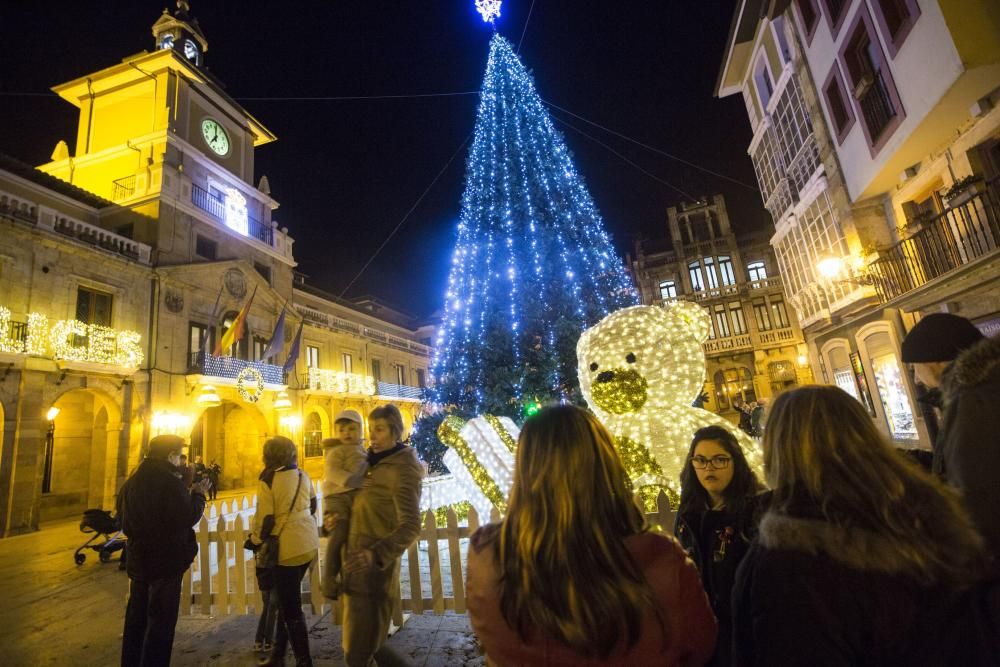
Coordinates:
column 895, row 402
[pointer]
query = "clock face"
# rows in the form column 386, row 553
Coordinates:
column 215, row 136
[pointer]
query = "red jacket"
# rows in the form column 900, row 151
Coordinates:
column 673, row 578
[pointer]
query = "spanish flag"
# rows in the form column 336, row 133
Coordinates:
column 235, row 332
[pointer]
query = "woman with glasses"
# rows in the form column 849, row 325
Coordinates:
column 572, row 576
column 715, row 520
column 861, row 558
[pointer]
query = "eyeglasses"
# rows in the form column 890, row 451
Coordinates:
column 716, row 462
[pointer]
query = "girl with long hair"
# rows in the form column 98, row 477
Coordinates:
column 861, row 558
column 716, row 519
column 571, row 576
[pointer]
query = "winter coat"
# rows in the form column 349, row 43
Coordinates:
column 691, row 628
column 158, row 513
column 343, row 466
column 385, row 517
column 967, row 450
column 296, row 530
column 813, row 592
column 717, row 541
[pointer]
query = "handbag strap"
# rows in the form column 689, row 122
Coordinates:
column 291, row 505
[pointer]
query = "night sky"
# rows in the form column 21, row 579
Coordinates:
column 347, row 171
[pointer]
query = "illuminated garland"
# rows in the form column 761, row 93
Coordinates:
column 72, row 340
column 253, row 393
column 502, row 432
column 449, row 433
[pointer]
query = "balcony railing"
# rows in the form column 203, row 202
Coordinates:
column 123, row 188
column 389, row 390
column 743, row 341
column 957, row 236
column 776, row 336
column 876, row 106
column 230, row 367
column 101, row 238
column 14, row 207
column 340, row 324
column 216, row 208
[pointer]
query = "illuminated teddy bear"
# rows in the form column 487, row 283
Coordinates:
column 640, row 369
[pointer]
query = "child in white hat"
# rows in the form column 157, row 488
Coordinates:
column 345, row 465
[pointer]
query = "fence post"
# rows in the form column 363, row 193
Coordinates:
column 222, row 537
column 455, row 555
column 434, row 563
column 204, row 567
column 413, row 568
column 241, row 528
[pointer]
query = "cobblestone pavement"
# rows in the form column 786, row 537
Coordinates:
column 59, row 614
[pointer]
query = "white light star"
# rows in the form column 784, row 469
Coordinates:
column 489, row 9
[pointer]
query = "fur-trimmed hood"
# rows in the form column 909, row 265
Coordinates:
column 854, row 547
column 975, row 366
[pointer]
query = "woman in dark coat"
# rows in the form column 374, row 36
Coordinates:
column 861, row 558
column 716, row 519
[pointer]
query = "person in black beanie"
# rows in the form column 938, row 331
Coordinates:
column 949, row 353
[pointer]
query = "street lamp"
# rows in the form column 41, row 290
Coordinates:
column 50, row 439
column 836, row 269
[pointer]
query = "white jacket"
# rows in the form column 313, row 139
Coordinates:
column 297, row 532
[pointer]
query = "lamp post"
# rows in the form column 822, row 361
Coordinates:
column 50, row 439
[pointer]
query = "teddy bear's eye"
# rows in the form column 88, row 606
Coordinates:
column 630, row 357
column 593, row 366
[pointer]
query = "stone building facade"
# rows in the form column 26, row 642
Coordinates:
column 755, row 348
column 121, row 266
column 875, row 145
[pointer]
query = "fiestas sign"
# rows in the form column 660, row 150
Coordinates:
column 72, row 340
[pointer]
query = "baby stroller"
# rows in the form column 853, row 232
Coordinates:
column 101, row 524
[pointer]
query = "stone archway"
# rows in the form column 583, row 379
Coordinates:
column 80, row 454
column 232, row 435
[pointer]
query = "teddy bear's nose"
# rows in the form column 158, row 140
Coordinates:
column 606, row 376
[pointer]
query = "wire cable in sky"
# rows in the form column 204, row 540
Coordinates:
column 356, row 97
column 525, row 30
column 653, row 148
column 656, row 178
column 408, row 213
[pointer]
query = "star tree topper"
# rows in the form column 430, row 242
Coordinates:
column 489, row 9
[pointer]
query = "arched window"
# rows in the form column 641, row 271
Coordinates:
column 756, row 271
column 668, row 290
column 313, row 435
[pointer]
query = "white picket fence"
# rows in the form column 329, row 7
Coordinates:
column 222, row 580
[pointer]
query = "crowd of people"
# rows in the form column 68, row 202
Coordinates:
column 847, row 552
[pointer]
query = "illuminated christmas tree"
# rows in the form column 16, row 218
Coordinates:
column 533, row 266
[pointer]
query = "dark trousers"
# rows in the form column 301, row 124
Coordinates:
column 268, row 617
column 287, row 586
column 150, row 619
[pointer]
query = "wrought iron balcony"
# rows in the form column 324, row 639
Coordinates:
column 216, row 208
column 231, row 367
column 389, row 390
column 123, row 188
column 876, row 106
column 955, row 237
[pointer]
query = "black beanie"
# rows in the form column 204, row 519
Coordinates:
column 939, row 337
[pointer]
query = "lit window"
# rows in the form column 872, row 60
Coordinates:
column 190, row 51
column 313, row 435
column 668, row 290
column 400, row 374
column 711, row 277
column 348, row 362
column 93, row 307
column 756, row 271
column 694, row 270
column 765, row 86
column 312, row 356
column 738, row 318
column 377, row 369
column 761, row 316
column 726, row 270
column 721, row 321
column 779, row 314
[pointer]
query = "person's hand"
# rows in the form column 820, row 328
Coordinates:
column 359, row 560
column 367, row 483
column 329, row 521
column 201, row 486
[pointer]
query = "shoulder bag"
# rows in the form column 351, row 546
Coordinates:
column 267, row 555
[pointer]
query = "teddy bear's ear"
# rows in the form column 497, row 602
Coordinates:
column 694, row 318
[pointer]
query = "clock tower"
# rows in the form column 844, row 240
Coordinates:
column 181, row 33
column 158, row 134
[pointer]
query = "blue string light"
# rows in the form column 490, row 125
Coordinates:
column 532, row 266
